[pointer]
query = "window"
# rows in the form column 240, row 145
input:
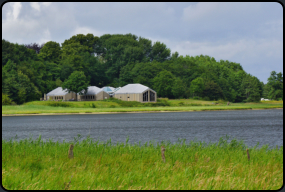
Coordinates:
column 145, row 96
column 152, row 96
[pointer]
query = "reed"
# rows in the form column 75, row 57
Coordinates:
column 162, row 153
column 248, row 157
column 70, row 151
column 38, row 164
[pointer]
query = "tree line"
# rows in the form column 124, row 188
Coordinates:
column 29, row 71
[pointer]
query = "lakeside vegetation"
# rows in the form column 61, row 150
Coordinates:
column 39, row 165
column 115, row 105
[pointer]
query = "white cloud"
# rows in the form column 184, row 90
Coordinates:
column 221, row 10
column 16, row 9
column 243, row 48
column 194, row 12
column 35, row 5
column 45, row 37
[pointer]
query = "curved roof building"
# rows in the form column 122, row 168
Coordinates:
column 93, row 94
column 136, row 92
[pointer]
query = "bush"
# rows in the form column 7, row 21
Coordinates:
column 196, row 97
column 6, row 100
column 93, row 105
column 57, row 104
column 206, row 98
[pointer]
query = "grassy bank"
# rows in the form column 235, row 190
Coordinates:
column 113, row 105
column 37, row 164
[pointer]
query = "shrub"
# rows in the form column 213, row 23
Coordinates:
column 206, row 98
column 57, row 104
column 196, row 97
column 6, row 100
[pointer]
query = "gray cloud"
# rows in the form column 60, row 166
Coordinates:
column 247, row 33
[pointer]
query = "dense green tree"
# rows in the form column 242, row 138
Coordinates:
column 213, row 91
column 275, row 83
column 76, row 82
column 266, row 89
column 178, row 88
column 145, row 44
column 50, row 52
column 6, row 100
column 90, row 41
column 197, row 86
column 159, row 52
column 250, row 87
column 163, row 84
column 16, row 53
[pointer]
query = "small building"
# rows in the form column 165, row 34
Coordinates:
column 136, row 92
column 93, row 94
column 60, row 94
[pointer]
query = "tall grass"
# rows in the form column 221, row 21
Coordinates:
column 38, row 164
column 115, row 105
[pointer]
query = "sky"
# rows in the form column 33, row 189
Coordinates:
column 249, row 33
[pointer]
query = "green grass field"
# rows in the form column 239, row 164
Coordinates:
column 113, row 105
column 40, row 165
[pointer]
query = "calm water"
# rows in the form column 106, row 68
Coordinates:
column 252, row 126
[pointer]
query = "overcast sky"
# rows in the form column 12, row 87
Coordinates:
column 247, row 33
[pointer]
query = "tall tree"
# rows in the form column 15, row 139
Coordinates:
column 34, row 46
column 159, row 52
column 213, row 91
column 163, row 83
column 251, row 89
column 76, row 82
column 50, row 52
column 275, row 83
column 178, row 88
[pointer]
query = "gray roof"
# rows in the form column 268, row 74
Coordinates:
column 92, row 90
column 116, row 89
column 133, row 88
column 57, row 91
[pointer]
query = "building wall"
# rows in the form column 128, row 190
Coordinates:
column 86, row 97
column 102, row 95
column 129, row 96
column 69, row 96
column 134, row 97
column 56, row 97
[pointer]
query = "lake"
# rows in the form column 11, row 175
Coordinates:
column 252, row 126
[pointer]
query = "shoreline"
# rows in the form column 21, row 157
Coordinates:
column 92, row 113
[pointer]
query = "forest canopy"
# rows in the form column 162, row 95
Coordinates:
column 29, row 71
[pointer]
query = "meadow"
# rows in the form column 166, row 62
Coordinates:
column 115, row 105
column 38, row 165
